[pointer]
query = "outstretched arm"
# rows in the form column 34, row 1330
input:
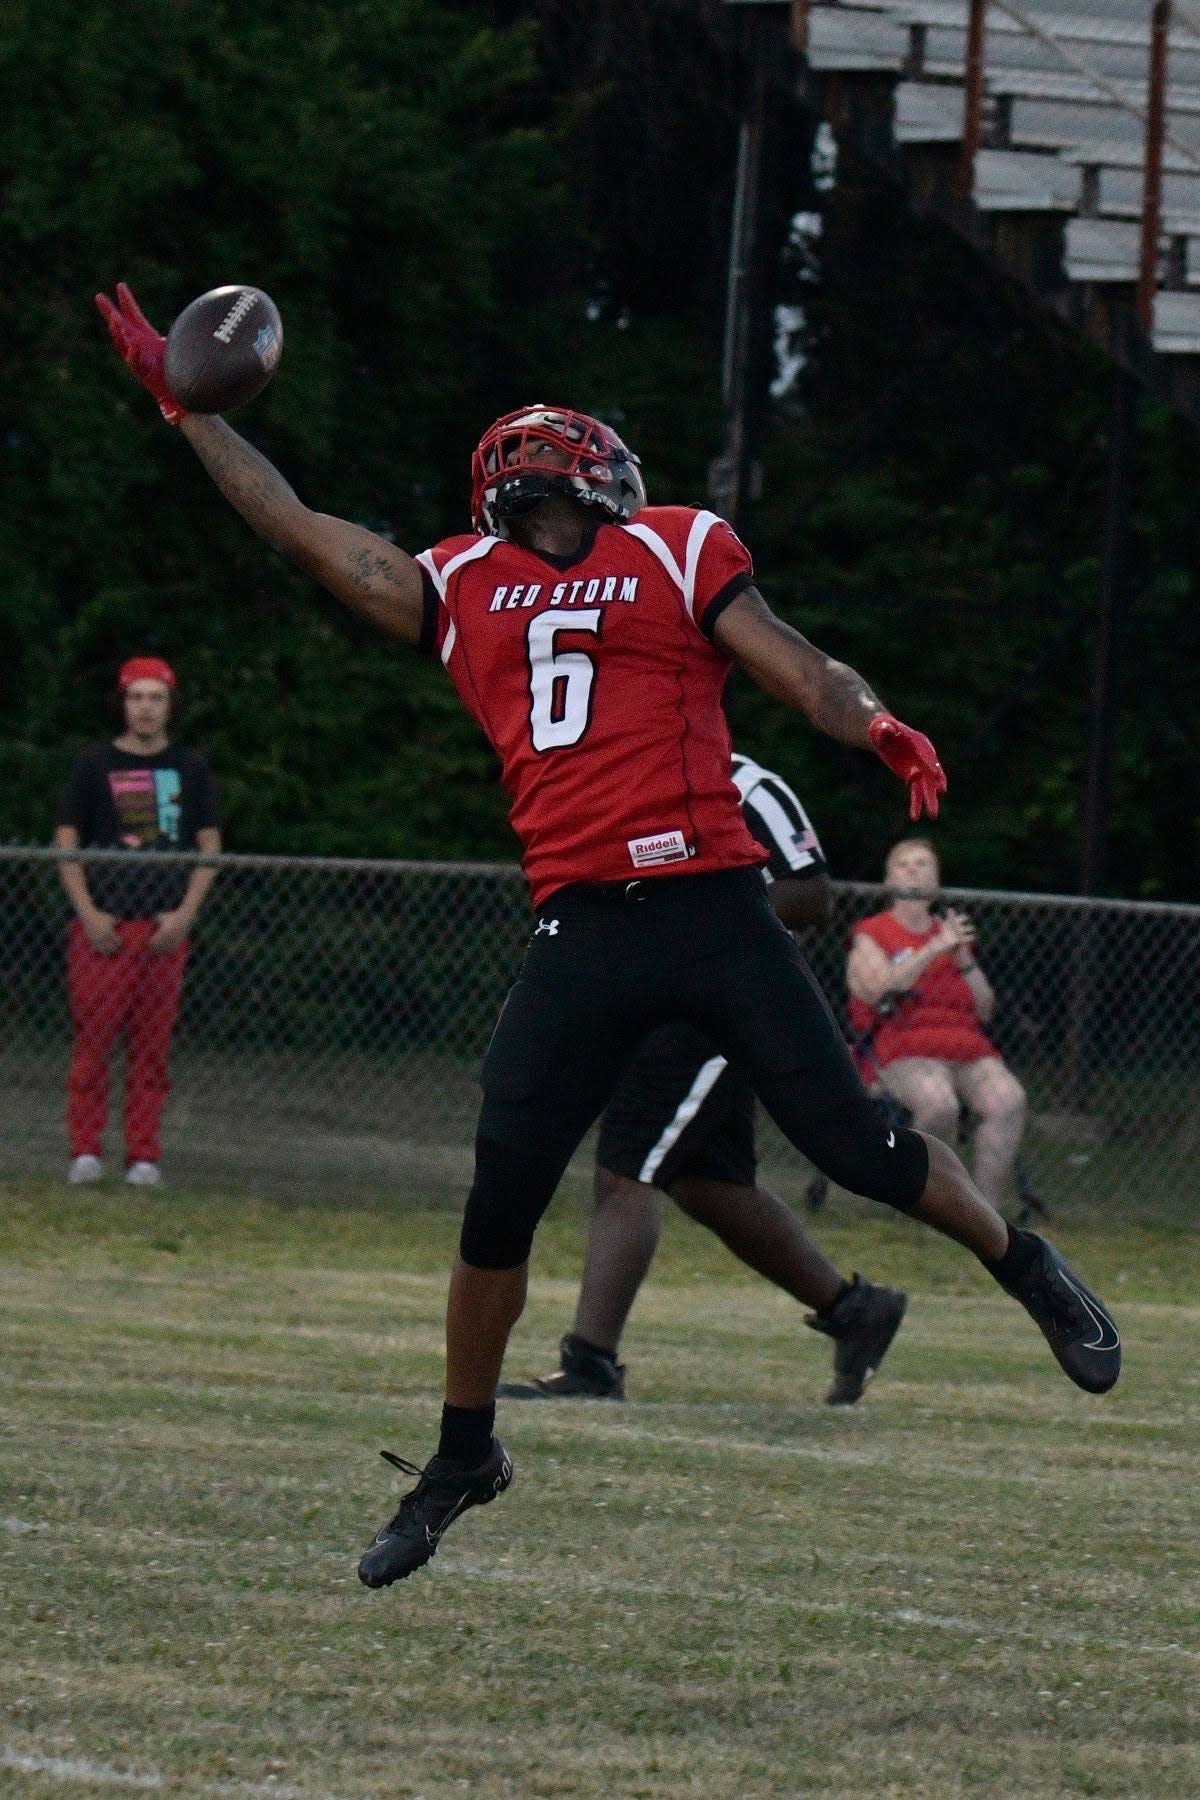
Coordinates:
column 365, row 571
column 830, row 694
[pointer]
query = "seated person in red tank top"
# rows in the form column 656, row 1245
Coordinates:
column 932, row 1051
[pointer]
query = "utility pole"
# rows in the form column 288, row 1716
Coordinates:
column 731, row 474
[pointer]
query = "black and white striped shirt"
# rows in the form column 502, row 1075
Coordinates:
column 779, row 822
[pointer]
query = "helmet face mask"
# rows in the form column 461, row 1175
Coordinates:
column 512, row 470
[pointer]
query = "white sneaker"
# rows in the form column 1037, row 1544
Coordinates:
column 85, row 1171
column 144, row 1174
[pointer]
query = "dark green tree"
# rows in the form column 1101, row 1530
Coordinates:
column 462, row 207
column 933, row 513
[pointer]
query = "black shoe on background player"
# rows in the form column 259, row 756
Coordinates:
column 585, row 1372
column 444, row 1490
column 1078, row 1328
column 862, row 1325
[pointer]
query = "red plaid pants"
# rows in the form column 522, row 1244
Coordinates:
column 136, row 992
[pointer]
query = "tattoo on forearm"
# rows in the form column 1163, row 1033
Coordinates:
column 247, row 480
column 364, row 570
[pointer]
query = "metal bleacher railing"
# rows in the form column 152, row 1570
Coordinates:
column 1089, row 109
column 335, row 1013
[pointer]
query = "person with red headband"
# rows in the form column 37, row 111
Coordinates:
column 128, row 942
column 590, row 635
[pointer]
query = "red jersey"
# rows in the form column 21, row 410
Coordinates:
column 597, row 683
column 936, row 1016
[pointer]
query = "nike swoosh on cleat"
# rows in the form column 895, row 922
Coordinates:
column 1104, row 1325
column 432, row 1537
column 891, row 1141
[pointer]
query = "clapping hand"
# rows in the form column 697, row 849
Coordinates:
column 957, row 933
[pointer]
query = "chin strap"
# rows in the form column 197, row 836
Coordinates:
column 521, row 493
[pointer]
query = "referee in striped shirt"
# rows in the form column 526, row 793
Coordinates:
column 681, row 1123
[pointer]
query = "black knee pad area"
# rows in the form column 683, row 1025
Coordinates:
column 896, row 1175
column 511, row 1191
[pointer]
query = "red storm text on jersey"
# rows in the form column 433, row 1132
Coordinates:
column 598, row 686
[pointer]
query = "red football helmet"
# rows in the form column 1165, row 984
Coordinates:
column 509, row 477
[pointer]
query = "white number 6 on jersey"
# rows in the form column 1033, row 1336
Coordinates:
column 560, row 685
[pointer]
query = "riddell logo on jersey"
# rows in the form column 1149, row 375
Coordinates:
column 667, row 847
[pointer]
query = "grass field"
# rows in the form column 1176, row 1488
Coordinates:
column 977, row 1582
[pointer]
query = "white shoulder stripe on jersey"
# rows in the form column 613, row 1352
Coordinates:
column 441, row 577
column 702, row 524
column 425, row 558
column 659, row 547
column 469, row 555
column 685, row 578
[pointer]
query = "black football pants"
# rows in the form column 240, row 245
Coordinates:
column 605, row 964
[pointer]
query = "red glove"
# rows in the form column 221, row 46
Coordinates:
column 910, row 755
column 141, row 346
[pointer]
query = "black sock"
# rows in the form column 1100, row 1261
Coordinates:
column 584, row 1347
column 847, row 1287
column 467, row 1433
column 1021, row 1251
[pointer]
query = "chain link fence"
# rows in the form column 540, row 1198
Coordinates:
column 335, row 1012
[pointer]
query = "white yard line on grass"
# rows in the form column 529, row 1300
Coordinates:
column 505, row 1574
column 614, row 1430
column 81, row 1768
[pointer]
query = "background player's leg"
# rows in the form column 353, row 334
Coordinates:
column 625, row 1230
column 765, row 1234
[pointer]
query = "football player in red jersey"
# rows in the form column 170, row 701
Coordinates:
column 591, row 635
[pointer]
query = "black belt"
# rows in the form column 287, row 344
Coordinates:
column 639, row 890
column 622, row 893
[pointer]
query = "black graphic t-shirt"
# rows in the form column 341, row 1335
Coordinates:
column 120, row 800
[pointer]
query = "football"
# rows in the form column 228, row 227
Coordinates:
column 223, row 349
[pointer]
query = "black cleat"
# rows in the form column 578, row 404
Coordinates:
column 862, row 1324
column 1078, row 1328
column 444, row 1490
column 585, row 1373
